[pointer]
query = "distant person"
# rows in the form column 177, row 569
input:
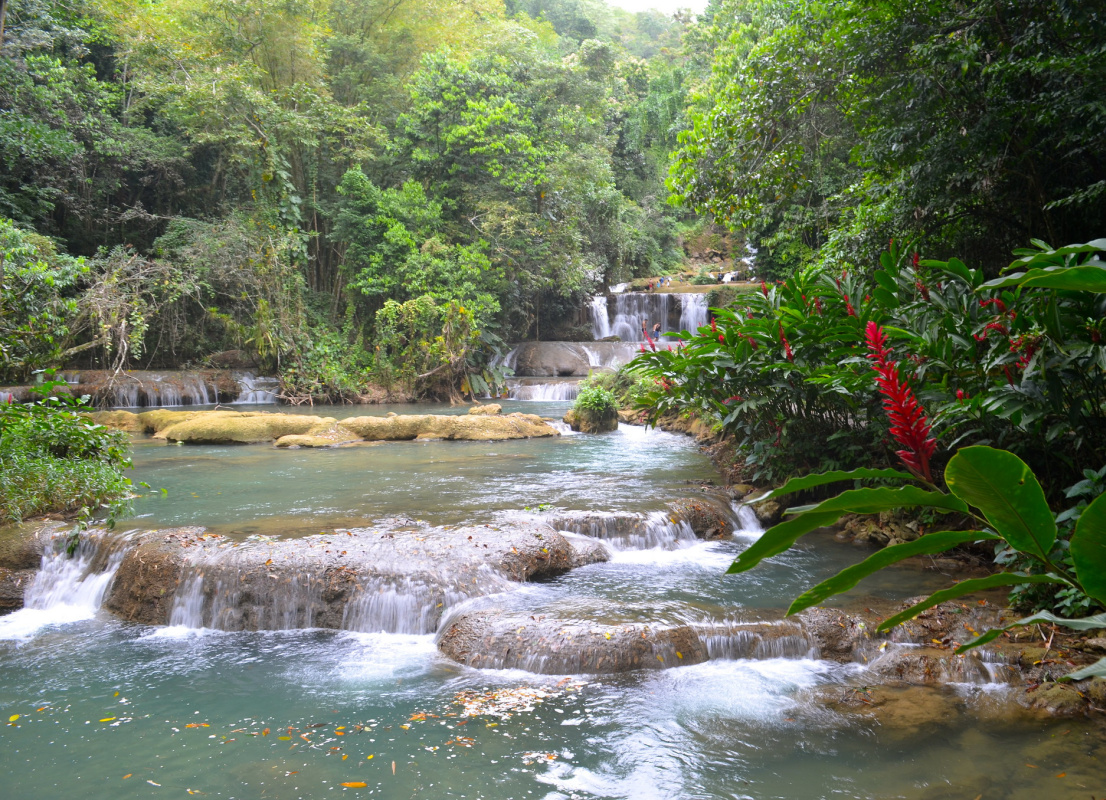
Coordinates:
column 656, row 330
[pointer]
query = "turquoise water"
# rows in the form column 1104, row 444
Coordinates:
column 182, row 710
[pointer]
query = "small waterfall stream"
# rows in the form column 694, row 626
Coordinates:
column 66, row 588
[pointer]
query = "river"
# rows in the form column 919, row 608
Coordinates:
column 99, row 708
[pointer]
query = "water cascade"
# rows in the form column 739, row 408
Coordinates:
column 256, row 390
column 66, row 588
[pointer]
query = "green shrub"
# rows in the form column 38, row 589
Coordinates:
column 53, row 459
column 595, row 401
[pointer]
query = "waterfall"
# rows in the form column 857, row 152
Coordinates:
column 747, row 525
column 760, row 642
column 600, row 319
column 656, row 529
column 141, row 388
column 66, row 589
column 693, row 312
column 549, row 392
column 255, row 390
column 630, row 310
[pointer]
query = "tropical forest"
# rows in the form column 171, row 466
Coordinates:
column 563, row 399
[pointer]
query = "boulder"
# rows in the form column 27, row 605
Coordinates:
column 397, row 576
column 494, row 639
column 590, row 423
column 768, row 512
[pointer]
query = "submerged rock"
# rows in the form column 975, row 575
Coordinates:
column 394, row 578
column 13, row 583
column 550, row 646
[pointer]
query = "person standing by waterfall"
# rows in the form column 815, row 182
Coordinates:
column 656, row 330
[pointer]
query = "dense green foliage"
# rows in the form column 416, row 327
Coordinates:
column 279, row 179
column 595, row 401
column 827, row 127
column 52, row 459
column 784, row 369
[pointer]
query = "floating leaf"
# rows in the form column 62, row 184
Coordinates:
column 285, row 738
column 355, row 784
column 265, row 732
column 13, row 718
column 368, row 758
column 108, row 719
column 129, row 774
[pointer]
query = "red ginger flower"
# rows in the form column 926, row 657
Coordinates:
column 849, row 306
column 786, row 345
column 764, row 288
column 909, row 425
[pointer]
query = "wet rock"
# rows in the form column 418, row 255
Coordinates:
column 551, row 646
column 706, row 518
column 394, row 577
column 631, row 416
column 769, row 512
column 1095, row 692
column 927, row 665
column 13, row 583
column 1058, row 700
column 591, row 423
column 22, row 546
column 488, row 409
column 1096, row 645
column 451, row 427
column 838, row 636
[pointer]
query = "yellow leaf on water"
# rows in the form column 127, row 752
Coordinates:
column 265, row 732
column 355, row 784
column 116, row 694
column 344, row 757
column 129, row 774
column 107, row 719
column 1062, row 774
column 13, row 718
column 285, row 738
column 368, row 758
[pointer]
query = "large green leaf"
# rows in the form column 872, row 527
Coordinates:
column 1095, row 670
column 822, row 478
column 848, row 578
column 1088, row 549
column 1085, row 278
column 1000, row 485
column 1082, row 624
column 872, row 501
column 780, row 537
column 965, row 587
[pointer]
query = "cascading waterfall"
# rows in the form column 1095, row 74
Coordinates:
column 67, row 588
column 256, row 390
column 552, row 391
column 630, row 531
column 694, row 313
column 631, row 309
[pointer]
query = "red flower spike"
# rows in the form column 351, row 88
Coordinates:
column 764, row 288
column 914, row 262
column 909, row 425
column 721, row 338
column 713, row 325
column 786, row 345
column 849, row 306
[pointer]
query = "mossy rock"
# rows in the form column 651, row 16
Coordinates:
column 464, row 427
column 118, row 420
column 326, row 434
column 226, row 427
column 587, row 423
column 490, row 409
